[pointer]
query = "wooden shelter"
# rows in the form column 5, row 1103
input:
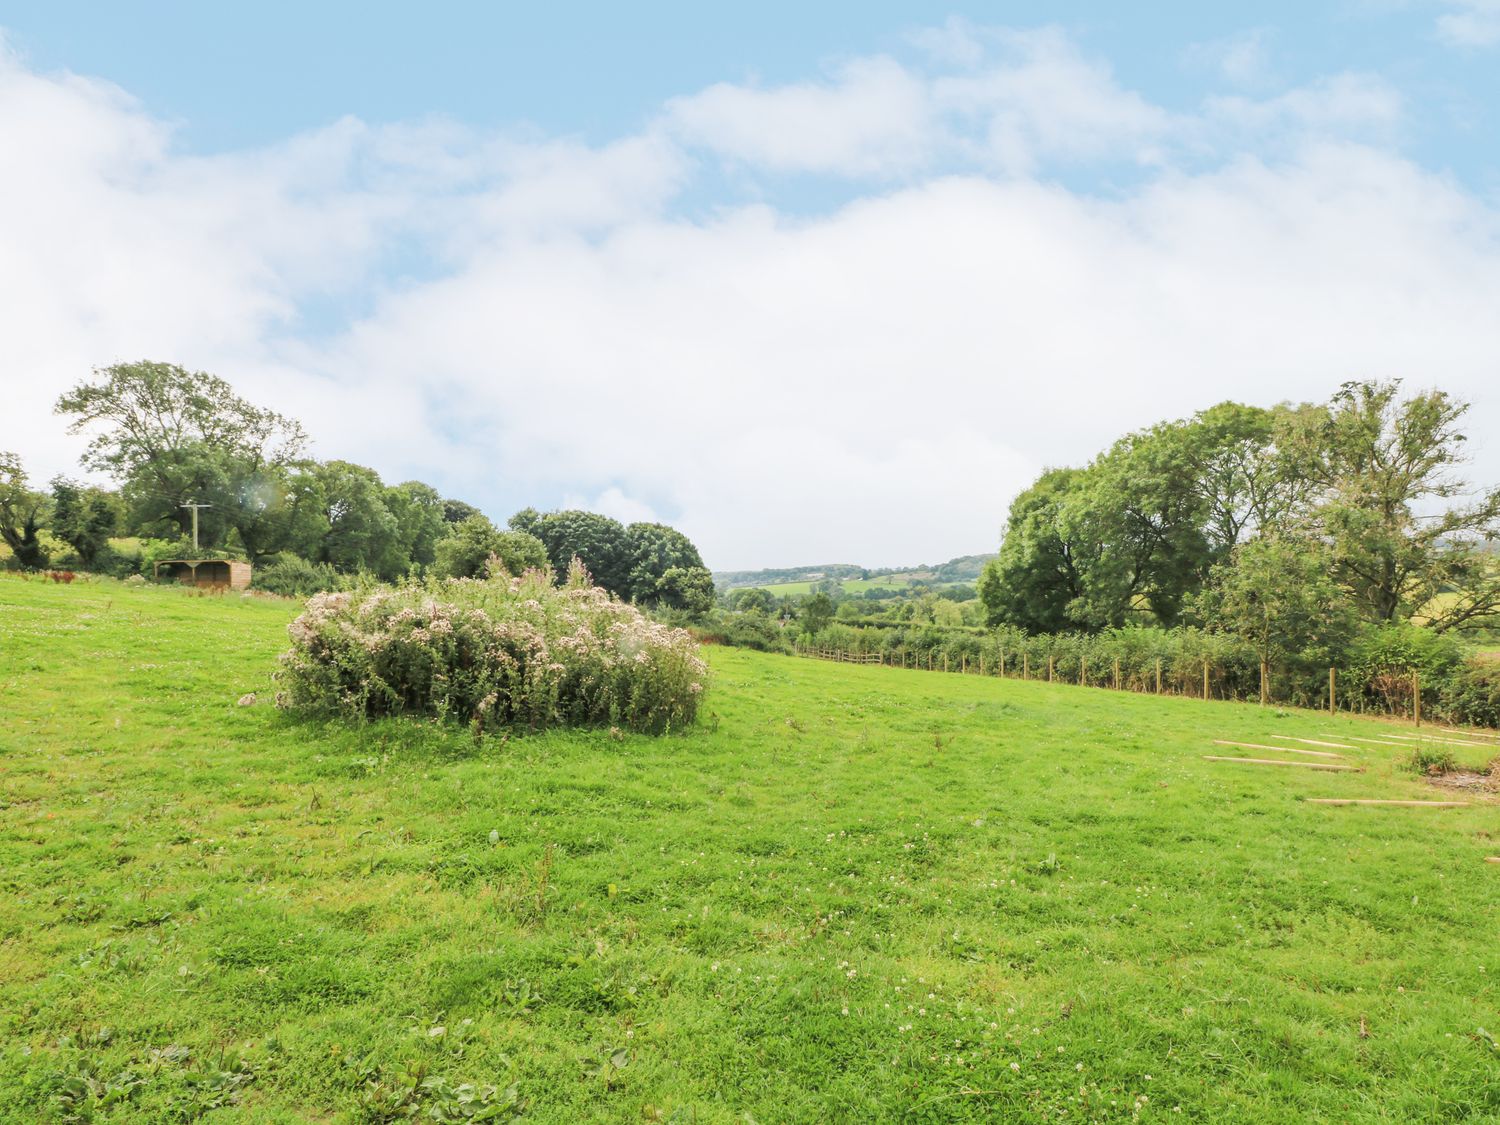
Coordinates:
column 213, row 574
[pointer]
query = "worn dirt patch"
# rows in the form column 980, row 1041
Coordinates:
column 1472, row 782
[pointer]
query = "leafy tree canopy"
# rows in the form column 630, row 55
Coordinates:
column 1402, row 526
column 171, row 436
column 83, row 517
column 24, row 512
column 1368, row 475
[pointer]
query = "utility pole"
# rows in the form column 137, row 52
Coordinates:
column 195, row 508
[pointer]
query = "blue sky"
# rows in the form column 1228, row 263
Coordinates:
column 245, row 75
column 241, row 75
column 816, row 282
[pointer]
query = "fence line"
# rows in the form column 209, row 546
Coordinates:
column 903, row 658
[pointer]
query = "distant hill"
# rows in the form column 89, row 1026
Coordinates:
column 965, row 568
column 737, row 579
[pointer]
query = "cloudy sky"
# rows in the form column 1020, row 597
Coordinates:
column 814, row 287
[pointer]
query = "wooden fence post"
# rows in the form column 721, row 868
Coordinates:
column 1333, row 699
column 1083, row 671
column 1265, row 684
column 1416, row 697
column 945, row 662
column 1117, row 673
column 1158, row 675
column 1205, row 679
column 1050, row 665
column 1026, row 666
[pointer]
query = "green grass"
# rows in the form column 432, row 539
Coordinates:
column 851, row 894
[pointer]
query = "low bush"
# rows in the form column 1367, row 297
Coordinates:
column 1471, row 693
column 294, row 577
column 753, row 630
column 1384, row 657
column 1431, row 761
column 497, row 652
column 116, row 563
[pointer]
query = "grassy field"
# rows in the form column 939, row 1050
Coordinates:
column 852, row 894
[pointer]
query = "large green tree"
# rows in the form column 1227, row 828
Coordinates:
column 1243, row 479
column 815, row 612
column 600, row 542
column 667, row 570
column 356, row 530
column 475, row 541
column 1406, row 533
column 1138, row 517
column 420, row 513
column 1038, row 576
column 1275, row 591
column 1140, row 528
column 24, row 512
column 688, row 589
column 83, row 517
column 172, row 436
column 456, row 511
column 272, row 508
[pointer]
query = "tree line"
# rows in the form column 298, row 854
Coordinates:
column 177, row 445
column 1291, row 526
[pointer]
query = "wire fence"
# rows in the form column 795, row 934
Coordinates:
column 1398, row 694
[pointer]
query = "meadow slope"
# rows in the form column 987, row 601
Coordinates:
column 850, row 894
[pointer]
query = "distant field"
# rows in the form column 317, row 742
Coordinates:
column 850, row 585
column 850, row 894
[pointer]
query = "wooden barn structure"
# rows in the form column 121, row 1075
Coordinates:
column 213, row 574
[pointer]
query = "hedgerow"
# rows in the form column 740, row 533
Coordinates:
column 1374, row 674
column 504, row 651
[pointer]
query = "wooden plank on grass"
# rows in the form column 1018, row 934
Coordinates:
column 1313, row 742
column 1278, row 762
column 1380, row 741
column 1470, row 733
column 1397, row 804
column 1280, row 749
column 1492, row 859
column 1428, row 740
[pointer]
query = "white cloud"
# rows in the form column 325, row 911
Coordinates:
column 872, row 118
column 1018, row 98
column 1470, row 23
column 1044, row 99
column 956, row 42
column 872, row 383
column 1243, row 59
column 1343, row 105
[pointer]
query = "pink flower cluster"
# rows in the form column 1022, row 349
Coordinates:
column 509, row 651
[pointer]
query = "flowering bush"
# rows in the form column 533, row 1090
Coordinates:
column 503, row 651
